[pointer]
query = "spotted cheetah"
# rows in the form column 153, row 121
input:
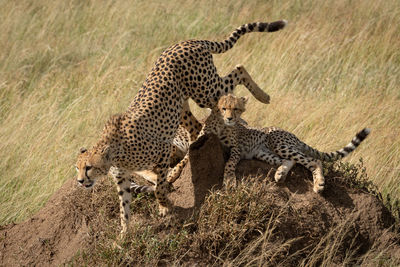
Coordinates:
column 180, row 147
column 140, row 138
column 271, row 144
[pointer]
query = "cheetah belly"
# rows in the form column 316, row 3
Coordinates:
column 249, row 151
column 247, row 154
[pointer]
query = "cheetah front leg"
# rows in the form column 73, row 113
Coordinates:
column 123, row 183
column 176, row 171
column 230, row 166
column 240, row 76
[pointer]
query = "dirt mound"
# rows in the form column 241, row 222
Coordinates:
column 51, row 237
column 203, row 172
column 75, row 224
column 357, row 219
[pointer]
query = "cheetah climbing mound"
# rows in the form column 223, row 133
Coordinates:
column 257, row 222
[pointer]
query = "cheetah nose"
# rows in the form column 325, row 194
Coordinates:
column 229, row 119
column 81, row 181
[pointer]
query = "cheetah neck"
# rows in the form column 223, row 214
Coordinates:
column 109, row 140
column 216, row 116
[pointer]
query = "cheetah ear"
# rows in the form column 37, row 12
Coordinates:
column 244, row 99
column 82, row 150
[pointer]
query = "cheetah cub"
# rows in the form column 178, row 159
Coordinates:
column 271, row 144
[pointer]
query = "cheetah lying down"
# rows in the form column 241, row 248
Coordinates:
column 141, row 138
column 272, row 145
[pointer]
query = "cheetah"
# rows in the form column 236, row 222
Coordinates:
column 271, row 144
column 140, row 138
column 181, row 143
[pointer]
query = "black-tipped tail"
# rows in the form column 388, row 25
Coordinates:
column 332, row 156
column 355, row 142
column 277, row 25
column 221, row 47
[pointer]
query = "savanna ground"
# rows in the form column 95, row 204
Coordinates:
column 65, row 66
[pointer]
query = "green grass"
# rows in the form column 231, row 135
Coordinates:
column 65, row 66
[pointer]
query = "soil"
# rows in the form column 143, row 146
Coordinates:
column 67, row 223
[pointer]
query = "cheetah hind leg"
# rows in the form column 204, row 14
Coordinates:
column 240, row 76
column 315, row 166
column 273, row 159
column 318, row 177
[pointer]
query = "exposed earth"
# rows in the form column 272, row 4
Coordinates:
column 75, row 220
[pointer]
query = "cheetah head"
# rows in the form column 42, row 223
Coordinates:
column 231, row 108
column 92, row 165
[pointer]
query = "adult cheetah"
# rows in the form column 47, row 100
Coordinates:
column 141, row 138
column 271, row 144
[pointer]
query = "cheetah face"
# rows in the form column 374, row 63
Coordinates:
column 90, row 167
column 231, row 108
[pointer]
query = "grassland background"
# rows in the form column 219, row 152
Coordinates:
column 65, row 66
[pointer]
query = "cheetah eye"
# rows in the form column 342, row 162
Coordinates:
column 76, row 168
column 235, row 109
column 88, row 168
column 223, row 109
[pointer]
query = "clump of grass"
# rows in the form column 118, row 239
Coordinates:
column 143, row 245
column 232, row 218
column 351, row 175
column 340, row 245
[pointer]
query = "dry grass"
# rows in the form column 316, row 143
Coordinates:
column 252, row 224
column 65, row 66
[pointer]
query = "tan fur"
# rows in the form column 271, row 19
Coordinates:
column 271, row 144
column 142, row 137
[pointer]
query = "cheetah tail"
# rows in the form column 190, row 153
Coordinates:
column 221, row 47
column 341, row 153
column 135, row 188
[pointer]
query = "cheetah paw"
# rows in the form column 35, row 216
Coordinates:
column 280, row 177
column 163, row 210
column 318, row 188
column 280, row 174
